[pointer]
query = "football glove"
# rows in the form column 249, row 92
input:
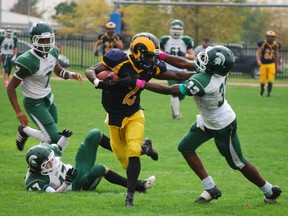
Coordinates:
column 180, row 53
column 96, row 53
column 70, row 175
column 128, row 80
column 66, row 133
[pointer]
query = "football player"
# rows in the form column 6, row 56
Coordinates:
column 34, row 69
column 48, row 173
column 9, row 51
column 216, row 120
column 267, row 58
column 177, row 44
column 122, row 103
column 108, row 39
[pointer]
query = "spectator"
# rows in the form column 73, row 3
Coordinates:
column 202, row 47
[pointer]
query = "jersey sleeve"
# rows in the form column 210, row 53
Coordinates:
column 113, row 57
column 195, row 85
column 21, row 68
column 163, row 40
column 259, row 43
column 35, row 182
column 188, row 41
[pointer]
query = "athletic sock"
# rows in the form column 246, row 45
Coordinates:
column 208, row 183
column 267, row 189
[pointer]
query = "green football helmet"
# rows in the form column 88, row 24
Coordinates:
column 142, row 48
column 42, row 31
column 38, row 157
column 177, row 28
column 215, row 60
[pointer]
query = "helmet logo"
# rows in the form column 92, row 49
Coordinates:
column 32, row 161
column 220, row 59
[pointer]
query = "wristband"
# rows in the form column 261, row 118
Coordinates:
column 96, row 82
column 70, row 75
column 63, row 73
column 140, row 83
column 161, row 56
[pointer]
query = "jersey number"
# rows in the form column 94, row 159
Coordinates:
column 130, row 97
column 222, row 93
column 269, row 54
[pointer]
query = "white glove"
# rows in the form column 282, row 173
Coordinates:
column 13, row 58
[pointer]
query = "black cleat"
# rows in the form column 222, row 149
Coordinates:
column 21, row 138
column 129, row 201
column 209, row 195
column 148, row 150
column 276, row 193
column 143, row 185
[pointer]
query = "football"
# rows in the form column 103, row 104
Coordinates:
column 105, row 74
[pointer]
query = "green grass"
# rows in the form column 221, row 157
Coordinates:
column 262, row 128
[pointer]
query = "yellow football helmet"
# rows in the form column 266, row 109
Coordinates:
column 270, row 34
column 142, row 48
column 110, row 25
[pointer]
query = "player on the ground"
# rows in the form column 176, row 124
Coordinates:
column 48, row 173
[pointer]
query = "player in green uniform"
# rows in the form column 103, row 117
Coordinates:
column 177, row 44
column 125, row 115
column 48, row 173
column 9, row 51
column 34, row 69
column 216, row 120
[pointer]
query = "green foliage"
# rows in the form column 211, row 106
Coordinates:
column 64, row 8
column 85, row 18
column 26, row 7
column 262, row 125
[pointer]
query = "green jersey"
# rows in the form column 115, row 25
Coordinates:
column 209, row 94
column 54, row 179
column 35, row 73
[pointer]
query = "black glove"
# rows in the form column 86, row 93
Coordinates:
column 70, row 175
column 129, row 80
column 96, row 53
column 180, row 53
column 66, row 133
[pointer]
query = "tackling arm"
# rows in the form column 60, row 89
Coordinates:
column 168, row 90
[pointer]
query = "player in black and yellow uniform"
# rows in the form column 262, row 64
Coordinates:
column 268, row 59
column 109, row 39
column 125, row 115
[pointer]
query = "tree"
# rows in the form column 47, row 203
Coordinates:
column 88, row 17
column 26, row 7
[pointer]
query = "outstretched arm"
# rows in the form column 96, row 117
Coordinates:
column 162, row 89
column 175, row 60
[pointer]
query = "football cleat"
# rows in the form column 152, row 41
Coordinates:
column 21, row 138
column 209, row 195
column 276, row 193
column 148, row 150
column 146, row 184
column 129, row 201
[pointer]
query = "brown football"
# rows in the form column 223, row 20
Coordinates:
column 105, row 74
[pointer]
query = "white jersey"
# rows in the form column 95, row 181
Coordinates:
column 8, row 45
column 172, row 46
column 35, row 73
column 209, row 94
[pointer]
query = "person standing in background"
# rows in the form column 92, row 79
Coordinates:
column 110, row 39
column 177, row 44
column 202, row 47
column 9, row 51
column 268, row 58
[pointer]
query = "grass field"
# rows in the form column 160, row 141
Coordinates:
column 262, row 128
